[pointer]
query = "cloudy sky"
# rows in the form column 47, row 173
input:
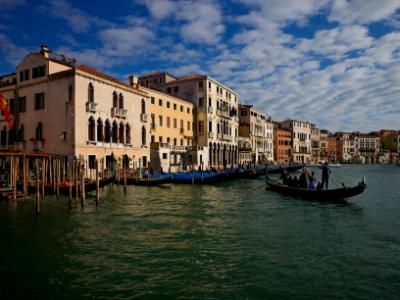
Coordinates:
column 333, row 62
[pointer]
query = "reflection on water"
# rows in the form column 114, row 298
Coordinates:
column 231, row 240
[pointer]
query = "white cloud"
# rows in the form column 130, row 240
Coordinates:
column 160, row 9
column 361, row 11
column 78, row 20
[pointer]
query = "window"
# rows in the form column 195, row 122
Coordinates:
column 176, row 89
column 217, row 89
column 153, row 138
column 121, row 101
column 168, row 104
column 70, row 92
column 153, row 121
column 11, row 105
column 209, row 84
column 21, row 76
column 39, row 101
column 175, row 123
column 201, row 127
column 22, row 104
column 188, row 125
column 168, row 140
column 209, row 102
column 38, row 71
column 143, row 106
column 107, row 131
column 26, row 73
column 160, row 120
column 188, row 110
column 160, row 102
column 99, row 130
column 92, row 161
column 152, row 100
column 209, row 126
column 181, row 123
column 200, row 101
column 175, row 142
column 115, row 99
column 168, row 90
column 90, row 93
column 168, row 122
column 174, row 106
column 160, row 139
column 39, row 131
column 164, row 155
column 181, row 142
column 181, row 108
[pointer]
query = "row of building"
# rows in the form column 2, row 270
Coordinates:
column 157, row 120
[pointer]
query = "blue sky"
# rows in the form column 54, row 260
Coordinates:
column 333, row 62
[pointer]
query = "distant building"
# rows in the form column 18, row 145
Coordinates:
column 331, row 148
column 269, row 140
column 282, row 144
column 324, row 155
column 345, row 147
column 367, row 146
column 315, row 144
column 301, row 139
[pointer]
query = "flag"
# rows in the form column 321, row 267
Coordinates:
column 5, row 110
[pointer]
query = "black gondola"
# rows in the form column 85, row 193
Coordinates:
column 145, row 181
column 318, row 195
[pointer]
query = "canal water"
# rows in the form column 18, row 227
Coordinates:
column 228, row 241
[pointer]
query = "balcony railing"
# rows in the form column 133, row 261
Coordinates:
column 91, row 106
column 19, row 146
column 211, row 135
column 118, row 112
column 223, row 113
column 38, row 145
column 227, row 137
column 143, row 118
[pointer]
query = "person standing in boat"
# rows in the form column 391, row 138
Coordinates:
column 325, row 175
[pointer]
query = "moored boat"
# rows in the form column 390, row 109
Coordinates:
column 318, row 195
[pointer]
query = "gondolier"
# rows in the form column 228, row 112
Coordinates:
column 325, row 175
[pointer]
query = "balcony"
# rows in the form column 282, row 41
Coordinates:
column 211, row 135
column 227, row 137
column 223, row 113
column 143, row 118
column 117, row 112
column 91, row 106
column 38, row 145
column 19, row 146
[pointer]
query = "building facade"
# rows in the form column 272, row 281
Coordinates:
column 269, row 140
column 75, row 111
column 367, row 146
column 345, row 147
column 282, row 145
column 301, row 139
column 315, row 144
column 216, row 126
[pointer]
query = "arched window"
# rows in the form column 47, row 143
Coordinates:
column 128, row 134
column 11, row 136
column 115, row 99
column 115, row 132
column 108, row 132
column 3, row 139
column 39, row 131
column 21, row 133
column 121, row 101
column 91, row 93
column 99, row 130
column 121, row 133
column 143, row 106
column 91, row 129
column 143, row 136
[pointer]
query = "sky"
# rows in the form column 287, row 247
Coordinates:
column 335, row 63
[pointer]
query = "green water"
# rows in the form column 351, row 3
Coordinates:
column 230, row 241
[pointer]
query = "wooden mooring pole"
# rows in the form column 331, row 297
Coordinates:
column 70, row 184
column 82, row 169
column 97, row 183
column 37, row 206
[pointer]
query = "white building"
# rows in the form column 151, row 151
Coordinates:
column 75, row 111
column 301, row 139
column 269, row 140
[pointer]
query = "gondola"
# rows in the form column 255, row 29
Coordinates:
column 146, row 181
column 278, row 169
column 317, row 195
column 64, row 188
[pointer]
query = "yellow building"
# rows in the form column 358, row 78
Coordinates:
column 171, row 130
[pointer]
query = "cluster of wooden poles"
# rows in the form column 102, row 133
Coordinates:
column 51, row 173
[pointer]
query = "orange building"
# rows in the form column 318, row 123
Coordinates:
column 283, row 145
column 331, row 147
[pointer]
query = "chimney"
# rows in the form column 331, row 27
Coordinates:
column 134, row 81
column 45, row 51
